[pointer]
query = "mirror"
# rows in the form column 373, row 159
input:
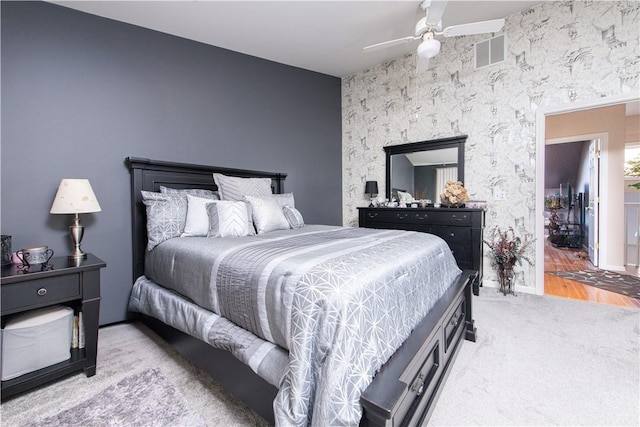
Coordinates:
column 422, row 168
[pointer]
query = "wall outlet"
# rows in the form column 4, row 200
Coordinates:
column 499, row 194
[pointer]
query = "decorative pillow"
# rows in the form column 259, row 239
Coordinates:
column 294, row 217
column 404, row 197
column 267, row 214
column 197, row 221
column 234, row 188
column 228, row 219
column 285, row 199
column 199, row 192
column 166, row 216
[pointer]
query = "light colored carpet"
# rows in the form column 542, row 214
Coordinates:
column 127, row 352
column 537, row 361
column 542, row 360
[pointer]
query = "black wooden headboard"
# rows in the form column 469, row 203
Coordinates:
column 149, row 175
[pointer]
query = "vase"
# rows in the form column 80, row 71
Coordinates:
column 505, row 278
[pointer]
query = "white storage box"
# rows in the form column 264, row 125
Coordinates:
column 36, row 339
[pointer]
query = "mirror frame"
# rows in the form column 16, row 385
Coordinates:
column 434, row 144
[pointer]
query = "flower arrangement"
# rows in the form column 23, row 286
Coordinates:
column 556, row 201
column 507, row 248
column 454, row 193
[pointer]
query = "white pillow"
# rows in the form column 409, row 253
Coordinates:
column 267, row 214
column 234, row 188
column 294, row 217
column 228, row 219
column 405, row 197
column 197, row 223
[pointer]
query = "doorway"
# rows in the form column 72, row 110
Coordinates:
column 612, row 228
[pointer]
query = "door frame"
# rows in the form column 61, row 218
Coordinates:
column 541, row 116
column 603, row 170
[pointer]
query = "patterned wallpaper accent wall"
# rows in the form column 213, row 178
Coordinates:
column 556, row 53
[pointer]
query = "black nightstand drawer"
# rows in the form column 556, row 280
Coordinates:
column 40, row 292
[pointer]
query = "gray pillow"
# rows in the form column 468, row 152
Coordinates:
column 166, row 216
column 267, row 214
column 234, row 188
column 285, row 199
column 294, row 217
column 228, row 219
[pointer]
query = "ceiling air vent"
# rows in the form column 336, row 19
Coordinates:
column 490, row 51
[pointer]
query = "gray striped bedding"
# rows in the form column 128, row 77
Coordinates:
column 315, row 311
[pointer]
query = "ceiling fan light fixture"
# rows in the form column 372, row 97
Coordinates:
column 429, row 47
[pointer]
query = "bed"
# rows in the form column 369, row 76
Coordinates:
column 303, row 346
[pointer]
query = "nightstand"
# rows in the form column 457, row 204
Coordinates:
column 67, row 282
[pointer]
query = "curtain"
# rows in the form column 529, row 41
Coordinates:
column 443, row 175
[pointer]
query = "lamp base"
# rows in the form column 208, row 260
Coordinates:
column 76, row 231
column 77, row 255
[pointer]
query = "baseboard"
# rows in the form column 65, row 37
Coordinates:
column 612, row 268
column 493, row 284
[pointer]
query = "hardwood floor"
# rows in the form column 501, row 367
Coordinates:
column 566, row 259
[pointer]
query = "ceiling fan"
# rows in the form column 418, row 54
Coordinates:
column 431, row 25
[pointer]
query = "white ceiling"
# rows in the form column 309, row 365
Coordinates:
column 323, row 36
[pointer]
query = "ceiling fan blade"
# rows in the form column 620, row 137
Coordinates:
column 390, row 43
column 436, row 10
column 492, row 26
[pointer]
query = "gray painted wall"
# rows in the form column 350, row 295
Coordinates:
column 80, row 93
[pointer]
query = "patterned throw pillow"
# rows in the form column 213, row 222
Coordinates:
column 228, row 219
column 285, row 199
column 234, row 188
column 197, row 221
column 294, row 217
column 267, row 214
column 166, row 216
column 199, row 192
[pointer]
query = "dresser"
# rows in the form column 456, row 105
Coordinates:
column 71, row 283
column 461, row 228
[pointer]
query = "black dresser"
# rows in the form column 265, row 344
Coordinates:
column 461, row 228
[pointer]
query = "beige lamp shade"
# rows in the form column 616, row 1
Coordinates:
column 75, row 196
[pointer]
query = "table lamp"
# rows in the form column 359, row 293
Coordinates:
column 371, row 188
column 75, row 196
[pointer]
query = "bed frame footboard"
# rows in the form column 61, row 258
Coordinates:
column 407, row 387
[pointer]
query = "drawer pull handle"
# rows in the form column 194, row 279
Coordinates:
column 454, row 322
column 418, row 385
column 373, row 214
column 42, row 291
column 402, row 216
column 452, row 234
column 455, row 218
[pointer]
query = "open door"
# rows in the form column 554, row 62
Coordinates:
column 593, row 197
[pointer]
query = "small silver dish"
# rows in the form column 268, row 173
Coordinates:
column 35, row 255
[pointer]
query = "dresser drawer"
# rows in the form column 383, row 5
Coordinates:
column 40, row 292
column 457, row 218
column 453, row 235
column 398, row 215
